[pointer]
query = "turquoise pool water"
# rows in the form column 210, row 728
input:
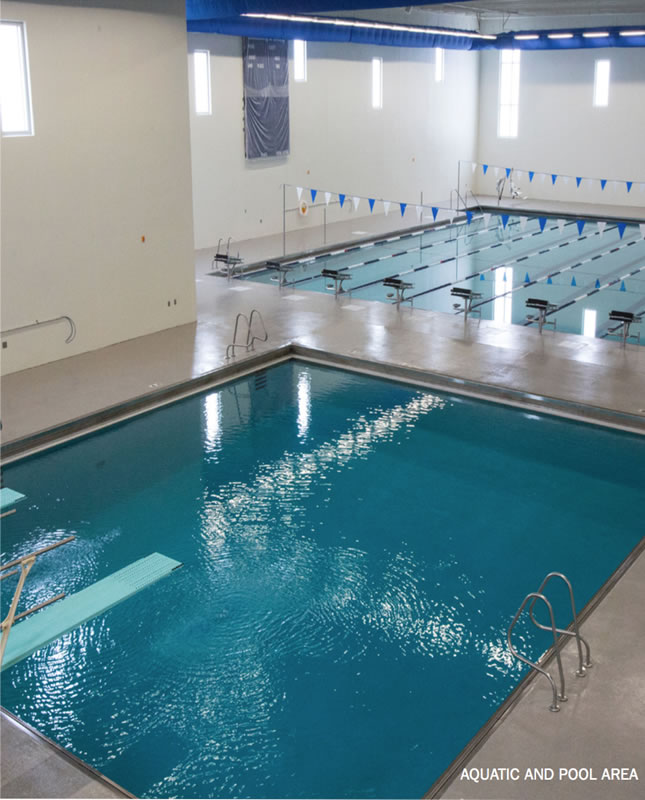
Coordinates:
column 577, row 270
column 353, row 549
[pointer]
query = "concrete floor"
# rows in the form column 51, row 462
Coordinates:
column 575, row 371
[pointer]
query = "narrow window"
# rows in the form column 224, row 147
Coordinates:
column 601, row 83
column 589, row 322
column 202, row 69
column 439, row 64
column 503, row 303
column 377, row 83
column 509, row 93
column 15, row 91
column 300, row 60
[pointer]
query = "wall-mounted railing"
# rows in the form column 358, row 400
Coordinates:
column 40, row 323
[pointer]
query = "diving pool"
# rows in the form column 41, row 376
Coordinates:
column 354, row 550
column 583, row 269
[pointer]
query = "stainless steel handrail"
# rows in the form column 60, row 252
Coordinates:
column 583, row 664
column 561, row 696
column 38, row 323
column 251, row 338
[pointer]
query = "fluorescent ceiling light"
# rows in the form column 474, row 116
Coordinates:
column 383, row 26
column 560, row 35
column 632, row 33
column 599, row 35
column 526, row 36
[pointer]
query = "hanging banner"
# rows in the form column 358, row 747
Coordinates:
column 603, row 183
column 561, row 224
column 542, row 221
column 469, row 217
column 554, row 178
column 505, row 218
column 621, row 228
column 266, row 98
column 578, row 182
column 629, row 184
column 435, row 211
column 487, row 219
column 485, row 168
column 419, row 210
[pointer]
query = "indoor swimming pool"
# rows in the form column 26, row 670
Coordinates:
column 583, row 269
column 353, row 552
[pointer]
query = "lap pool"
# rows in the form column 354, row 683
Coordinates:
column 354, row 550
column 583, row 269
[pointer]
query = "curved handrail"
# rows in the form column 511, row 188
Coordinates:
column 562, row 697
column 582, row 664
column 250, row 337
column 37, row 324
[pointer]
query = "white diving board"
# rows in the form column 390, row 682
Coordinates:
column 52, row 622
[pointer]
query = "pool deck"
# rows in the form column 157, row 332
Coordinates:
column 602, row 725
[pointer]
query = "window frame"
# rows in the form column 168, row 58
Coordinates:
column 25, row 79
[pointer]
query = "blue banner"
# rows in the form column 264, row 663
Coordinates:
column 403, row 207
column 341, row 198
column 371, row 202
column 581, row 225
column 542, row 221
column 314, row 192
column 621, row 228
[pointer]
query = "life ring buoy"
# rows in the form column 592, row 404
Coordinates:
column 303, row 208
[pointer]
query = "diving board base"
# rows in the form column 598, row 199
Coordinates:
column 54, row 621
column 9, row 498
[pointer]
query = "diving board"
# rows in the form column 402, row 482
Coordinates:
column 9, row 498
column 55, row 620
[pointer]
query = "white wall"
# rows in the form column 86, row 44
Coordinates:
column 108, row 164
column 338, row 142
column 559, row 129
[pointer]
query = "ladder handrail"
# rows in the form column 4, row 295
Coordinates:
column 583, row 665
column 562, row 697
column 250, row 337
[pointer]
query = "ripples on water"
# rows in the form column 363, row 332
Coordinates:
column 328, row 611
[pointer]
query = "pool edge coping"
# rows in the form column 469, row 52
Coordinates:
column 70, row 757
column 504, row 395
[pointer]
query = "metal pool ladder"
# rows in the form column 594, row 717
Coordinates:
column 584, row 663
column 250, row 338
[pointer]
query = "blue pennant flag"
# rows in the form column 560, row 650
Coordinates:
column 597, row 284
column 469, row 217
column 508, row 172
column 542, row 221
column 622, row 286
column 621, row 228
column 504, row 223
column 485, row 168
column 531, row 176
column 554, row 178
column 581, row 224
column 371, row 202
column 403, row 206
column 526, row 278
column 629, row 185
column 548, row 280
column 573, row 280
column 481, row 277
column 603, row 183
column 435, row 211
column 578, row 182
column 341, row 198
column 314, row 192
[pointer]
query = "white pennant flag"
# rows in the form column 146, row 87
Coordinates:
column 614, row 186
column 299, row 192
column 496, row 171
column 356, row 201
column 486, row 219
column 590, row 182
column 419, row 211
column 542, row 176
column 561, row 225
column 473, row 165
column 565, row 178
column 386, row 206
column 523, row 221
column 601, row 227
column 518, row 174
column 642, row 187
column 327, row 198
column 642, row 229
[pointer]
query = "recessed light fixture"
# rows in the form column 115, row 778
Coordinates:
column 560, row 35
column 523, row 37
column 382, row 26
column 596, row 35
